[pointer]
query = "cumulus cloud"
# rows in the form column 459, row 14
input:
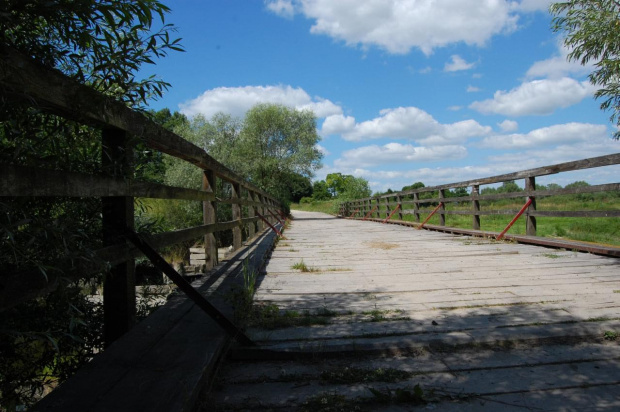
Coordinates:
column 537, row 97
column 238, row 100
column 552, row 135
column 558, row 66
column 322, row 149
column 405, row 123
column 393, row 153
column 457, row 64
column 508, row 125
column 400, row 25
column 283, row 8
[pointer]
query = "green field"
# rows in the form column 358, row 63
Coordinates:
column 597, row 230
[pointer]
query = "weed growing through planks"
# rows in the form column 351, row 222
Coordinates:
column 301, row 266
column 242, row 297
column 361, row 375
column 610, row 335
column 377, row 315
column 271, row 317
column 551, row 255
column 331, row 402
column 415, row 396
column 617, row 291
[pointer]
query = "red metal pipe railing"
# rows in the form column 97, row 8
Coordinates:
column 269, row 224
column 369, row 213
column 431, row 215
column 514, row 219
column 391, row 214
column 354, row 213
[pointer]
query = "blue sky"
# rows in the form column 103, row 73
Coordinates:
column 436, row 91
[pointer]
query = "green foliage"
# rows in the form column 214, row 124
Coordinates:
column 416, row 185
column 278, row 142
column 592, row 35
column 347, row 187
column 320, row 190
column 102, row 43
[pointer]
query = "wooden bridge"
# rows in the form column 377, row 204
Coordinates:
column 349, row 313
column 478, row 324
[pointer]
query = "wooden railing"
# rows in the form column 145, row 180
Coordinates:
column 413, row 202
column 25, row 82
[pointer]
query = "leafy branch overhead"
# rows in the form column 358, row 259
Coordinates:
column 592, row 29
column 103, row 43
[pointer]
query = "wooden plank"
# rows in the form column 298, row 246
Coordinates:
column 29, row 181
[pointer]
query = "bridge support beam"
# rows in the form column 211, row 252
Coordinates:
column 119, row 285
column 209, row 216
column 530, row 221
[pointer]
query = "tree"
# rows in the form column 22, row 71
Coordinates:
column 592, row 34
column 275, row 142
column 320, row 190
column 416, row 185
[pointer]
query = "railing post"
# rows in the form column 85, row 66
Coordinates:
column 251, row 214
column 530, row 221
column 416, row 206
column 236, row 215
column 119, row 290
column 400, row 207
column 442, row 209
column 475, row 192
column 378, row 212
column 261, row 211
column 209, row 216
column 387, row 206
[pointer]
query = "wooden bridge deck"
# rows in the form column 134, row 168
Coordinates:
column 479, row 324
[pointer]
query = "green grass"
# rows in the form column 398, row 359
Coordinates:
column 596, row 230
column 272, row 317
column 301, row 266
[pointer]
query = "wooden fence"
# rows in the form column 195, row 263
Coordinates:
column 416, row 202
column 25, row 82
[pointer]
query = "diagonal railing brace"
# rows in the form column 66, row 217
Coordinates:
column 514, row 219
column 391, row 214
column 354, row 213
column 160, row 263
column 275, row 217
column 431, row 215
column 369, row 213
column 275, row 229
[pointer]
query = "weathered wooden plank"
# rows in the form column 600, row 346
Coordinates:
column 48, row 89
column 29, row 181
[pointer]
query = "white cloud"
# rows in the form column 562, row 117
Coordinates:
column 400, row 25
column 393, row 153
column 568, row 133
column 472, row 89
column 533, row 5
column 508, row 125
column 558, row 66
column 237, row 100
column 537, row 97
column 457, row 64
column 283, row 8
column 405, row 123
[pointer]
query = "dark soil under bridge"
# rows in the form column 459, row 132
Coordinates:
column 382, row 317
